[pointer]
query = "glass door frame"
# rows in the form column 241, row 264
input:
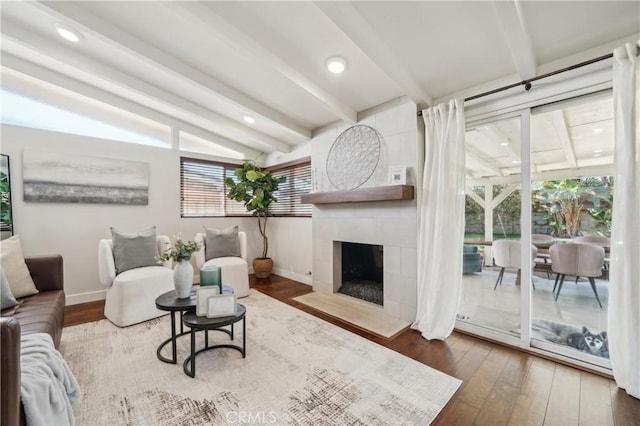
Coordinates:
column 524, row 341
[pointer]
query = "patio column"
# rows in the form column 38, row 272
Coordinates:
column 488, row 222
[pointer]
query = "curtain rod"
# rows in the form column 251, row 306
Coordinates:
column 527, row 83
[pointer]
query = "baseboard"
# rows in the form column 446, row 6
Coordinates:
column 75, row 299
column 304, row 279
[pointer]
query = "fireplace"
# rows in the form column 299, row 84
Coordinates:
column 362, row 272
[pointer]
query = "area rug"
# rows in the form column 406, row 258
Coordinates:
column 363, row 315
column 298, row 370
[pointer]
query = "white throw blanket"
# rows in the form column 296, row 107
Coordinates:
column 48, row 388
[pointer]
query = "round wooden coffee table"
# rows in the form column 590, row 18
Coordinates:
column 170, row 302
column 196, row 323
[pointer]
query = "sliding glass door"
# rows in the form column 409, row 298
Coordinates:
column 537, row 221
column 572, row 201
column 492, row 276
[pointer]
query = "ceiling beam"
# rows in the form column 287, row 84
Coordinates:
column 88, row 69
column 45, row 74
column 115, row 36
column 345, row 16
column 216, row 26
column 602, row 170
column 517, row 37
column 559, row 123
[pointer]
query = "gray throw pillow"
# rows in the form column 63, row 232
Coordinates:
column 132, row 251
column 221, row 243
column 6, row 297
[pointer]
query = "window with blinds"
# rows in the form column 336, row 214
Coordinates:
column 202, row 190
column 298, row 182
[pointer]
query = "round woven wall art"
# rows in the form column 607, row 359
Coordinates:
column 353, row 157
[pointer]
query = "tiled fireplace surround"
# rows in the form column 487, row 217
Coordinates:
column 392, row 224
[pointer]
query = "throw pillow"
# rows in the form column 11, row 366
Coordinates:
column 6, row 297
column 15, row 269
column 132, row 251
column 221, row 243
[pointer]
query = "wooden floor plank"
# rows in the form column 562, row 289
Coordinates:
column 515, row 372
column 501, row 385
column 595, row 401
column 476, row 390
column 457, row 413
column 531, row 403
column 498, row 405
column 564, row 400
column 82, row 313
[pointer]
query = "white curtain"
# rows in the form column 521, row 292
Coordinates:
column 441, row 221
column 624, row 282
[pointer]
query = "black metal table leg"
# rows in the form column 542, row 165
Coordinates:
column 191, row 372
column 172, row 339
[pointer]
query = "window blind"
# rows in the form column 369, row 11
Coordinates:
column 298, row 182
column 202, row 190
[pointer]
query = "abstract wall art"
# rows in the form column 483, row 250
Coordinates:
column 51, row 177
column 353, row 157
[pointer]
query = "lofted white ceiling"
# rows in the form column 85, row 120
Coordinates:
column 206, row 64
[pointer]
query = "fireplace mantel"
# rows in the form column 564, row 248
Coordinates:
column 359, row 195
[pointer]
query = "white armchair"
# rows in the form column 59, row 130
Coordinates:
column 235, row 270
column 131, row 294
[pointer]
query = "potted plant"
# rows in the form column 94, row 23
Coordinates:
column 255, row 188
column 181, row 253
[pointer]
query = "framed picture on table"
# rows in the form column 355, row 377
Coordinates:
column 204, row 293
column 221, row 305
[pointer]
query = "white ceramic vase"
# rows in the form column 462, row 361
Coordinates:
column 183, row 279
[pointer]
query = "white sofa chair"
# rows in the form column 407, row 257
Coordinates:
column 131, row 294
column 235, row 270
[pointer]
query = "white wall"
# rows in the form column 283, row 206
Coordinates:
column 290, row 247
column 73, row 230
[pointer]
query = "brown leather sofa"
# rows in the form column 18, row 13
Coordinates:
column 41, row 313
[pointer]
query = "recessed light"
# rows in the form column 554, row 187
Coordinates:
column 516, row 162
column 597, row 151
column 598, row 130
column 68, row 33
column 596, row 155
column 336, row 64
column 249, row 119
column 504, row 144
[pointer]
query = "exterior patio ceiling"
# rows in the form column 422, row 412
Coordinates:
column 573, row 136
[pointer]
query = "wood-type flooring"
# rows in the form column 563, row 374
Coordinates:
column 502, row 385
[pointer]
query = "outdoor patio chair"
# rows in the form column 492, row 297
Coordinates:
column 506, row 254
column 579, row 260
